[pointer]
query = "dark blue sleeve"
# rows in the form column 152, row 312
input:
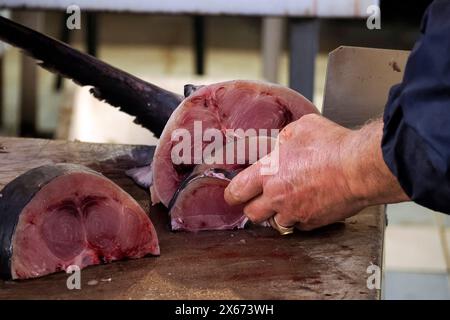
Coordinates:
column 416, row 138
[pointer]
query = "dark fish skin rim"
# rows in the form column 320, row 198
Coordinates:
column 193, row 177
column 16, row 195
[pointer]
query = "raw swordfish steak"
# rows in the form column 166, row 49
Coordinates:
column 223, row 106
column 59, row 215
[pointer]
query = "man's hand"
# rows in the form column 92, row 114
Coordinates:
column 326, row 173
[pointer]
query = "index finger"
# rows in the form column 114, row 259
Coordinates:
column 245, row 186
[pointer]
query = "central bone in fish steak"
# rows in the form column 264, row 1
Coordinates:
column 55, row 216
column 229, row 105
column 199, row 205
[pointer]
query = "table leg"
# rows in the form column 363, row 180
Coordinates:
column 90, row 38
column 303, row 47
column 28, row 85
column 199, row 44
column 272, row 43
column 65, row 37
column 91, row 33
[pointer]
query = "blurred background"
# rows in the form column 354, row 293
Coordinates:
column 172, row 50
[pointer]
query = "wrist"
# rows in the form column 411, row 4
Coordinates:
column 368, row 178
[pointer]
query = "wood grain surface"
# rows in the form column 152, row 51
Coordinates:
column 255, row 263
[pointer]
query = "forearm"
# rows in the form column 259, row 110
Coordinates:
column 369, row 179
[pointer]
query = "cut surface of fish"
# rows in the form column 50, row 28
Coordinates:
column 55, row 216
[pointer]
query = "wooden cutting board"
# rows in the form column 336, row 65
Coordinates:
column 255, row 263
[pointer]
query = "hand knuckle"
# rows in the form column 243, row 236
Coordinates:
column 235, row 195
column 233, row 192
column 311, row 117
